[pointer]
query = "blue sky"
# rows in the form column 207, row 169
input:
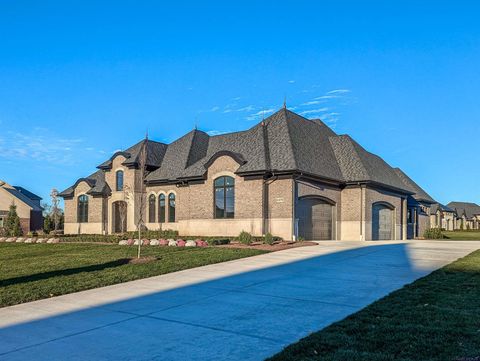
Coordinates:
column 80, row 80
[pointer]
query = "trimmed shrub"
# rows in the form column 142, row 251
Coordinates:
column 218, row 241
column 433, row 233
column 269, row 239
column 245, row 238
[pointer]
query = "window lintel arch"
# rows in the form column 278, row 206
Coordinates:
column 322, row 198
column 383, row 203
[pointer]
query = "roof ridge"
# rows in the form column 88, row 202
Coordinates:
column 266, row 147
column 354, row 143
column 285, row 111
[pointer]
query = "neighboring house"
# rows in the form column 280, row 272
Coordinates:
column 442, row 216
column 288, row 175
column 28, row 207
column 468, row 214
column 419, row 204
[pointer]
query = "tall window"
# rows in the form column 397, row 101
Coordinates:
column 119, row 180
column 151, row 208
column 224, row 188
column 171, row 207
column 161, row 208
column 82, row 209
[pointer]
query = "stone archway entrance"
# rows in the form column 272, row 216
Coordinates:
column 119, row 217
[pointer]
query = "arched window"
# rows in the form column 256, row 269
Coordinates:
column 224, row 189
column 161, row 208
column 171, row 207
column 151, row 208
column 82, row 209
column 119, row 180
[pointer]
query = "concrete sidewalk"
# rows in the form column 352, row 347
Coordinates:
column 245, row 309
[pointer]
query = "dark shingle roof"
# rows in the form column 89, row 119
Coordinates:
column 95, row 180
column 438, row 206
column 358, row 165
column 29, row 194
column 469, row 209
column 419, row 194
column 284, row 142
column 155, row 153
column 19, row 195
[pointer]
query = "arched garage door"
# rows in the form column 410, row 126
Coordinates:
column 382, row 221
column 315, row 219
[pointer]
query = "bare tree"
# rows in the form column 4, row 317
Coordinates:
column 55, row 211
column 142, row 161
column 123, row 208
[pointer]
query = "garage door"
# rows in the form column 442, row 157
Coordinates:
column 315, row 219
column 382, row 222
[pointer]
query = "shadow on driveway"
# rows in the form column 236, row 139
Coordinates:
column 247, row 316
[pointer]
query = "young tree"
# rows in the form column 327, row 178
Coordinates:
column 142, row 161
column 123, row 207
column 55, row 210
column 12, row 223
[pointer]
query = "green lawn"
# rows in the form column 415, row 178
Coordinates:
column 462, row 235
column 436, row 318
column 30, row 272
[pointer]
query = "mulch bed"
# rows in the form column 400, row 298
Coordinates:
column 142, row 260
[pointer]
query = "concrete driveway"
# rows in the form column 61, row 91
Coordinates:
column 245, row 309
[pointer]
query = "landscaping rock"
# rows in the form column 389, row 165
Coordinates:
column 34, row 240
column 154, row 242
column 190, row 244
column 20, row 240
column 10, row 240
column 56, row 240
column 50, row 240
column 201, row 243
column 2, row 239
column 163, row 242
column 172, row 243
column 181, row 243
column 123, row 242
column 135, row 243
column 28, row 240
column 41, row 240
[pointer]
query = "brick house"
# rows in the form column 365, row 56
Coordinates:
column 28, row 207
column 444, row 217
column 288, row 175
column 468, row 214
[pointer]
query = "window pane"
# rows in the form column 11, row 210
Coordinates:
column 220, row 182
column 151, row 209
column 229, row 205
column 171, row 207
column 229, row 181
column 82, row 209
column 219, row 203
column 161, row 208
column 120, row 180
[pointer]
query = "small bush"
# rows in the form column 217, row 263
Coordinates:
column 245, row 238
column 218, row 241
column 433, row 233
column 269, row 239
